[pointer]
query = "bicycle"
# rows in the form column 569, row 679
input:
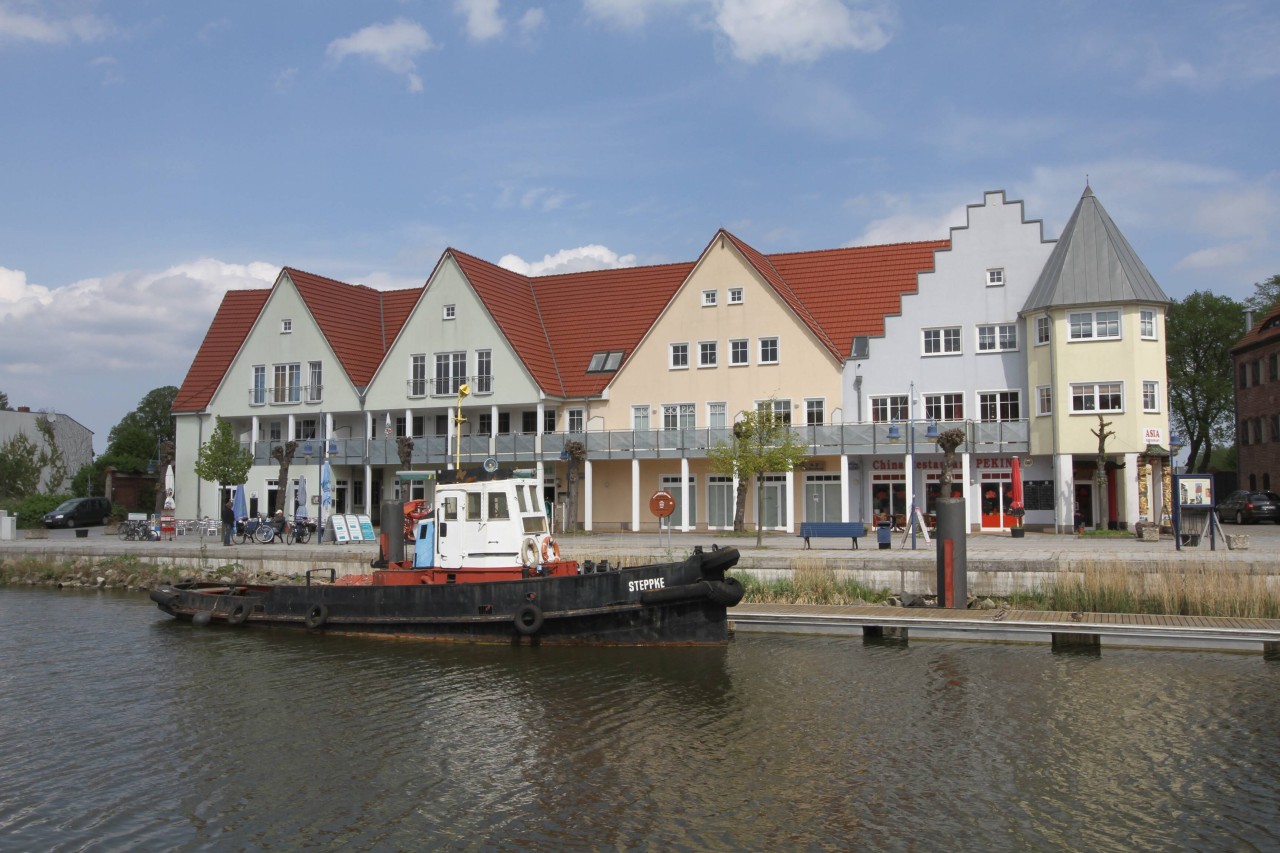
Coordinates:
column 298, row 531
column 132, row 529
column 264, row 532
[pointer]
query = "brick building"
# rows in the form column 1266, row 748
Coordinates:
column 1256, row 357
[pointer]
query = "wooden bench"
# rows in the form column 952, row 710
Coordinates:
column 832, row 530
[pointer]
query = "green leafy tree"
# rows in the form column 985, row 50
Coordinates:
column 20, row 467
column 221, row 459
column 52, row 459
column 762, row 443
column 1266, row 296
column 153, row 416
column 130, row 448
column 4, row 402
column 1201, row 331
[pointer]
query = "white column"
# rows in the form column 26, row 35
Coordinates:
column 791, row 501
column 1065, row 493
column 966, row 473
column 635, row 495
column 684, row 494
column 1130, row 485
column 451, row 430
column 537, row 436
column 368, row 488
column 408, row 422
column 844, row 487
column 253, row 435
column 288, row 436
column 493, row 430
column 589, row 496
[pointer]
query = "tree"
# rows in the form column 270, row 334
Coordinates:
column 282, row 453
column 1101, row 475
column 222, row 460
column 153, row 416
column 52, row 460
column 1201, row 331
column 20, row 467
column 4, row 402
column 762, row 443
column 1266, row 296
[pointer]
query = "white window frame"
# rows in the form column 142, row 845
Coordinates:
column 640, row 418
column 1044, row 330
column 419, row 380
column 1094, row 392
column 781, row 409
column 576, row 421
column 815, row 404
column 999, row 340
column 1150, row 395
column 944, row 406
column 708, row 354
column 678, row 356
column 683, row 415
column 736, row 295
column 887, row 408
column 1078, row 331
column 717, row 415
column 286, row 327
column 450, row 312
column 315, row 382
column 1147, row 324
column 1003, row 399
column 258, row 392
column 948, row 341
column 766, row 341
column 995, row 277
column 740, row 347
column 1044, row 400
column 710, row 298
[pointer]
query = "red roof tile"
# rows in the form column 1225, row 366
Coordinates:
column 231, row 324
column 1264, row 330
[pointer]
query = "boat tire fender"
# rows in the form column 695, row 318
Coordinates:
column 550, row 550
column 238, row 613
column 727, row 592
column 317, row 616
column 529, row 553
column 528, row 619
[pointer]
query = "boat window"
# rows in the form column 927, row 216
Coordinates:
column 473, row 506
column 534, row 506
column 520, row 500
column 449, row 509
column 535, row 524
column 498, row 506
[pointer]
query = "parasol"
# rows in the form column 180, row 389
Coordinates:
column 238, row 505
column 301, row 511
column 1015, row 493
column 168, row 488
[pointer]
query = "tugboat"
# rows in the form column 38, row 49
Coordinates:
column 476, row 562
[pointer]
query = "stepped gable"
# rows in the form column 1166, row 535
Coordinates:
column 851, row 291
column 1264, row 331
column 511, row 301
column 231, row 324
column 1092, row 264
column 602, row 310
column 350, row 317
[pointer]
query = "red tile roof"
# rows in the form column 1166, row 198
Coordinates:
column 1264, row 330
column 231, row 324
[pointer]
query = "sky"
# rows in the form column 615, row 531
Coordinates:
column 156, row 154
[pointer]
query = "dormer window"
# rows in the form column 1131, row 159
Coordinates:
column 709, row 298
column 286, row 327
column 995, row 277
column 450, row 312
column 605, row 362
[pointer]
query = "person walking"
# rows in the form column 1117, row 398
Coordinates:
column 228, row 523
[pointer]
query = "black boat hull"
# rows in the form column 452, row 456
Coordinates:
column 667, row 603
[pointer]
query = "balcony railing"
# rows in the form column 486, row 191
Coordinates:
column 418, row 388
column 286, row 395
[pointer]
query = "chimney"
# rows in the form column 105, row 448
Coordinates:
column 1248, row 320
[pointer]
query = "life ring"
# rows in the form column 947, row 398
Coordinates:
column 550, row 550
column 238, row 614
column 528, row 619
column 317, row 616
column 529, row 553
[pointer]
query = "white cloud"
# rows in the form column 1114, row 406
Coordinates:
column 535, row 198
column 284, row 80
column 581, row 259
column 19, row 26
column 629, row 14
column 483, row 20
column 393, row 46
column 1214, row 258
column 532, row 21
column 906, row 219
column 801, row 30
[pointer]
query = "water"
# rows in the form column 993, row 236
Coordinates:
column 123, row 729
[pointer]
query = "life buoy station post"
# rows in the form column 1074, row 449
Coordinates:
column 662, row 504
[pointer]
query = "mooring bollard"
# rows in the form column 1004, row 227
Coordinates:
column 953, row 583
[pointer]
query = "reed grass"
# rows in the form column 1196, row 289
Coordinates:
column 1169, row 589
column 809, row 584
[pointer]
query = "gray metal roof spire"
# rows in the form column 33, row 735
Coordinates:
column 1092, row 263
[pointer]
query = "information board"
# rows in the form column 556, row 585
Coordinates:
column 339, row 528
column 366, row 528
column 353, row 528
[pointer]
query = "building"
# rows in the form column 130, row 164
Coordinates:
column 71, row 438
column 866, row 351
column 1256, row 359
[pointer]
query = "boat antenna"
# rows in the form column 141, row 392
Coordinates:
column 463, row 390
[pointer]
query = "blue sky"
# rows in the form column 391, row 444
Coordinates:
column 156, row 154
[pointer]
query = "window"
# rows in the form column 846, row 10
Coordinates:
column 548, row 420
column 889, row 408
column 944, row 407
column 999, row 406
column 315, row 391
column 450, row 312
column 576, row 420
column 1255, row 373
column 679, row 356
column 528, row 422
column 640, row 417
column 739, row 352
column 1042, row 331
column 274, row 433
column 1088, row 325
column 781, row 410
column 1273, row 367
column 1001, row 337
column 1150, row 396
column 709, row 298
column 484, row 423
column 451, row 372
column 497, row 509
column 1244, row 376
column 306, row 428
column 401, row 427
column 1147, row 322
column 716, row 415
column 995, row 277
column 287, row 386
column 1275, row 430
column 418, row 375
column 605, row 362
column 1044, row 400
column 678, row 416
column 1244, row 431
column 484, row 372
column 259, row 393
column 707, row 353
column 768, row 350
column 814, row 412
column 1097, row 397
column 735, row 296
column 504, row 423
column 286, row 327
column 942, row 341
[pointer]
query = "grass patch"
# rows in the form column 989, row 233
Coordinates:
column 1172, row 589
column 809, row 584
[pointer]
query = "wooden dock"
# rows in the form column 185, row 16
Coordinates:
column 1060, row 630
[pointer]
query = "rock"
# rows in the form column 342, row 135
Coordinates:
column 1237, row 541
column 986, row 604
column 910, row 599
column 101, row 582
column 893, row 601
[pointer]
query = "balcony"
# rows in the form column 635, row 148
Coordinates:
column 290, row 395
column 417, row 389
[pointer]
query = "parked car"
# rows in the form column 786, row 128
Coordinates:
column 1246, row 507
column 79, row 511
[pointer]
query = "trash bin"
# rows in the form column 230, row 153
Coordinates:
column 884, row 534
column 1191, row 540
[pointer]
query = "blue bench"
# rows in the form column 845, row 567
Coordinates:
column 832, row 530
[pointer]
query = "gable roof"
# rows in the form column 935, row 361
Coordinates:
column 1264, row 331
column 1092, row 263
column 234, row 318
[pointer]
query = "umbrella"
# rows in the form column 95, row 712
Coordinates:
column 326, row 485
column 168, row 488
column 302, row 498
column 238, row 505
column 1015, row 494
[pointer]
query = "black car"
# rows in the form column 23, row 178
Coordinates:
column 78, row 511
column 1246, row 507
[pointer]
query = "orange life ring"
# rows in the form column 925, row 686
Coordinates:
column 550, row 550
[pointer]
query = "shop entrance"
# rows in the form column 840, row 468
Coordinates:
column 996, row 497
column 1084, row 506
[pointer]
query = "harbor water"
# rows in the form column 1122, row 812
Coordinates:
column 122, row 729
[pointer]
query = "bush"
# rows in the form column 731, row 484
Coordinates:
column 30, row 510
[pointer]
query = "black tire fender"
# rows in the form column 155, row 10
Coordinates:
column 317, row 616
column 727, row 592
column 528, row 619
column 238, row 614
